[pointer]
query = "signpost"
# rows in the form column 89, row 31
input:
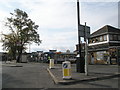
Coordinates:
column 83, row 31
column 87, row 35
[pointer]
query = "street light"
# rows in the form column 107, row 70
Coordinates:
column 80, row 60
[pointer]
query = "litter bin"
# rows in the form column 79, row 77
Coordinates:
column 66, row 68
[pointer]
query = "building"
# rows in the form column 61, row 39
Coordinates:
column 104, row 46
column 65, row 56
column 60, row 57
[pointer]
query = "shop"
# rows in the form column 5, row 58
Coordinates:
column 104, row 46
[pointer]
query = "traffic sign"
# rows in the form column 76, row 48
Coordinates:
column 66, row 69
column 83, row 30
column 65, row 65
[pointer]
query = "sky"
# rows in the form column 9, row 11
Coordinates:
column 57, row 19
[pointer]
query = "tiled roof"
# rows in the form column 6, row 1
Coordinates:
column 104, row 30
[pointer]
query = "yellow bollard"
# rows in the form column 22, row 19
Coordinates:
column 66, row 66
column 51, row 64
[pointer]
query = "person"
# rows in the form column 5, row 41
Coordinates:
column 48, row 59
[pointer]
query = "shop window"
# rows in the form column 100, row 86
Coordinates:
column 100, row 55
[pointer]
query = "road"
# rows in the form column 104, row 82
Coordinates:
column 28, row 76
column 35, row 75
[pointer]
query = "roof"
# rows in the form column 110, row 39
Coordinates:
column 104, row 30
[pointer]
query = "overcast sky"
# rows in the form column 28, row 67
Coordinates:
column 57, row 19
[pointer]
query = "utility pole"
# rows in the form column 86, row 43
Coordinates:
column 86, row 52
column 80, row 60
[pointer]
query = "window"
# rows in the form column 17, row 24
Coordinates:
column 96, row 40
column 111, row 37
column 101, row 38
column 100, row 55
column 115, row 37
column 119, row 37
column 90, row 40
column 93, row 40
column 105, row 37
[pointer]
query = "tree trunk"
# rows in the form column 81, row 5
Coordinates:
column 18, row 59
column 14, row 56
column 19, row 56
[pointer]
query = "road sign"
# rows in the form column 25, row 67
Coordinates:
column 65, row 65
column 66, row 69
column 83, row 30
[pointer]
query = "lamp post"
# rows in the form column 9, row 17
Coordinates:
column 80, row 59
column 79, row 39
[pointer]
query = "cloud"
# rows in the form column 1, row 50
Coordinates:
column 99, row 0
column 99, row 14
column 54, row 19
column 59, row 40
column 57, row 19
column 52, row 15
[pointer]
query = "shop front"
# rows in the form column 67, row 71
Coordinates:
column 109, row 56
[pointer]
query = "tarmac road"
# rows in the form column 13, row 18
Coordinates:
column 28, row 76
column 35, row 75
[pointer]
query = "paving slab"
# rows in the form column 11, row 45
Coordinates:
column 57, row 76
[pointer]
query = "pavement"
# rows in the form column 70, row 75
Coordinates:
column 11, row 64
column 95, row 72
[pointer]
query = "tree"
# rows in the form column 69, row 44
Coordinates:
column 9, row 44
column 23, row 31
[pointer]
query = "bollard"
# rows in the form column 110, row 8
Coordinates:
column 51, row 64
column 66, row 68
